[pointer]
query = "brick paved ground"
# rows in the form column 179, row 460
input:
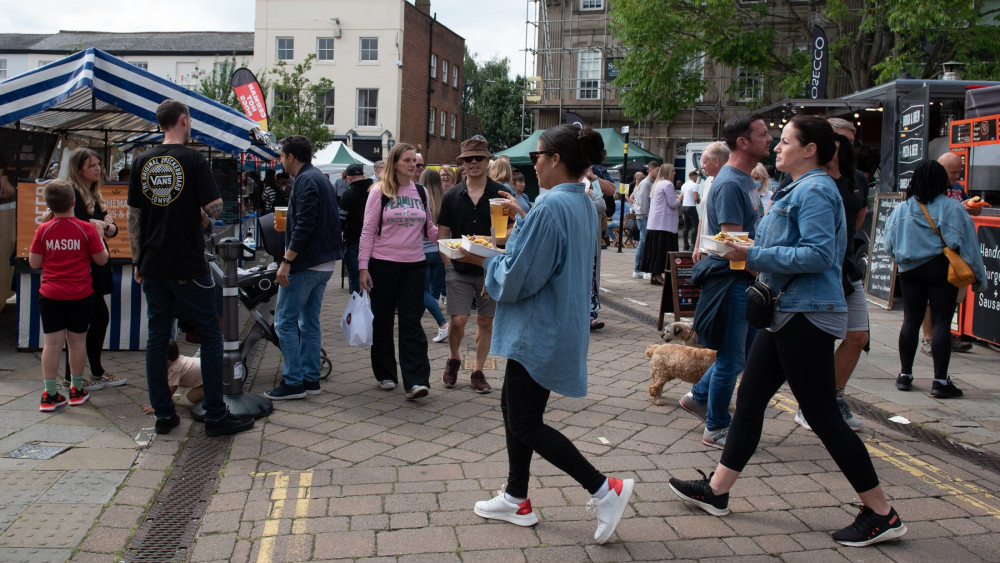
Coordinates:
column 360, row 473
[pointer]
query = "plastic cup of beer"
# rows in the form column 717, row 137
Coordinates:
column 738, row 264
column 279, row 218
column 498, row 216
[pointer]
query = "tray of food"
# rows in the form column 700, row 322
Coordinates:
column 450, row 247
column 717, row 244
column 480, row 246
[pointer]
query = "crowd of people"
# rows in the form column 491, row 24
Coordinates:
column 386, row 228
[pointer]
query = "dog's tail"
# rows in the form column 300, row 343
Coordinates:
column 650, row 349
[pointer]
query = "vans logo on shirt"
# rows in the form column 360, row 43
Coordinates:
column 162, row 180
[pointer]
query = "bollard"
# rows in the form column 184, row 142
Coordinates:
column 229, row 250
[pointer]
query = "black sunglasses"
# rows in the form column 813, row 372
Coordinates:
column 421, row 165
column 477, row 158
column 535, row 154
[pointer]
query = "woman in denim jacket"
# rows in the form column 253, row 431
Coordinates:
column 923, row 269
column 542, row 288
column 799, row 248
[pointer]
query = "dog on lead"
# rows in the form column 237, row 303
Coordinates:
column 681, row 333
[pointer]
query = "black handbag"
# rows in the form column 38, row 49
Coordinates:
column 761, row 300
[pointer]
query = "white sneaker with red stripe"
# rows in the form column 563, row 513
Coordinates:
column 498, row 508
column 610, row 508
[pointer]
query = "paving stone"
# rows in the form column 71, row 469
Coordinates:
column 342, row 545
column 121, row 516
column 493, row 555
column 35, row 555
column 428, row 540
column 9, row 513
column 85, row 486
column 51, row 526
column 106, row 540
column 215, row 547
column 92, row 459
column 555, row 554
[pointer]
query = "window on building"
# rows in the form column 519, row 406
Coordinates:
column 454, row 76
column 444, row 71
column 324, row 48
column 282, row 104
column 141, row 64
column 285, row 50
column 453, row 127
column 430, row 122
column 367, row 107
column 589, row 5
column 444, row 121
column 324, row 107
column 223, row 69
column 749, row 86
column 3, row 69
column 589, row 76
column 369, row 48
column 696, row 68
column 434, row 66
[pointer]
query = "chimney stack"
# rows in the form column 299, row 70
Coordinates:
column 424, row 6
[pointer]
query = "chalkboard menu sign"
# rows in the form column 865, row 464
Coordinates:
column 685, row 294
column 226, row 175
column 913, row 116
column 986, row 303
column 881, row 279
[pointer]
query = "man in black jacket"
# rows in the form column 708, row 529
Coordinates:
column 352, row 217
column 312, row 247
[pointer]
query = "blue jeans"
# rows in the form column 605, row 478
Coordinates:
column 194, row 301
column 351, row 262
column 433, row 286
column 296, row 320
column 641, row 224
column 716, row 387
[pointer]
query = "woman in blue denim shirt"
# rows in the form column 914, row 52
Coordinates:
column 799, row 248
column 541, row 285
column 923, row 269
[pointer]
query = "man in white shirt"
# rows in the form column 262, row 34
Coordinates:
column 690, row 198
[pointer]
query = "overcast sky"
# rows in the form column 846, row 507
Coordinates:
column 489, row 28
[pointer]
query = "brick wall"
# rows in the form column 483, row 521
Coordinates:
column 415, row 106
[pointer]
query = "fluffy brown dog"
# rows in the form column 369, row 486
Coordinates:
column 681, row 333
column 671, row 361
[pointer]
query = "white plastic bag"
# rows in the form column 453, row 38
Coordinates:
column 357, row 320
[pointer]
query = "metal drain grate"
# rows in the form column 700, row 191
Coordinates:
column 171, row 524
column 981, row 458
column 621, row 307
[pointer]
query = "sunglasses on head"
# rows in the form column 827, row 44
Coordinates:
column 477, row 158
column 535, row 154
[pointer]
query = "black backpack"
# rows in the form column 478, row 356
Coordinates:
column 386, row 199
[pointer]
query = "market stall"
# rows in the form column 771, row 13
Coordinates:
column 94, row 99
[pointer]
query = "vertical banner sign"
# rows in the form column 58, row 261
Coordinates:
column 820, row 64
column 251, row 97
column 912, row 146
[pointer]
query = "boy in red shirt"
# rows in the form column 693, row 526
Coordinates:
column 63, row 249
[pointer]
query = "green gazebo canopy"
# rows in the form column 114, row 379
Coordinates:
column 614, row 144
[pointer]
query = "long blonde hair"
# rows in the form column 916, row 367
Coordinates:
column 389, row 184
column 431, row 180
column 89, row 195
column 666, row 173
column 500, row 171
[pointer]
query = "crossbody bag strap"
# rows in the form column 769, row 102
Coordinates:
column 933, row 226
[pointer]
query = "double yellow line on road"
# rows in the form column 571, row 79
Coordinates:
column 281, row 494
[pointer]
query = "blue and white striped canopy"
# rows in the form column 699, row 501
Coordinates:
column 95, row 95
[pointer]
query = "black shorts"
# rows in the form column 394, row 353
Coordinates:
column 59, row 314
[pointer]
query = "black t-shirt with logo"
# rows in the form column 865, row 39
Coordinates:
column 170, row 184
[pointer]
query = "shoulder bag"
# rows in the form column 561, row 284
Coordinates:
column 761, row 300
column 959, row 273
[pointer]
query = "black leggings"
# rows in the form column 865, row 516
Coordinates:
column 523, row 404
column 923, row 284
column 99, row 320
column 801, row 354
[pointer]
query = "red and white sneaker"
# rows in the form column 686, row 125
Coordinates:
column 610, row 508
column 77, row 397
column 498, row 508
column 51, row 402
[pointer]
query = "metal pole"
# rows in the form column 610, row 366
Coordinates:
column 622, row 191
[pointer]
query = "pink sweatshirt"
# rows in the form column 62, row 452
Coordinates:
column 403, row 220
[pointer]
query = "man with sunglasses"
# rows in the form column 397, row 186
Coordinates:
column 465, row 210
column 418, row 169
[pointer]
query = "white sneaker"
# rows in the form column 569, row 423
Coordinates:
column 647, row 276
column 442, row 333
column 801, row 420
column 387, row 384
column 498, row 508
column 636, row 274
column 416, row 392
column 610, row 508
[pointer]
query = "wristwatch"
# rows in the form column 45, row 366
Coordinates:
column 282, row 259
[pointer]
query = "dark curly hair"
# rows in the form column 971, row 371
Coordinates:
column 930, row 180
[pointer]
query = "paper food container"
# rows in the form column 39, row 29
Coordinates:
column 480, row 250
column 716, row 247
column 449, row 251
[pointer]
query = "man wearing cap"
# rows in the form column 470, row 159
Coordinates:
column 352, row 218
column 465, row 210
column 312, row 247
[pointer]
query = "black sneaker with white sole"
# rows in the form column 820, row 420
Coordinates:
column 699, row 493
column 869, row 528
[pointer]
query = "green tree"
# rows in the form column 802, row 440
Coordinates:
column 669, row 41
column 217, row 84
column 497, row 100
column 297, row 108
